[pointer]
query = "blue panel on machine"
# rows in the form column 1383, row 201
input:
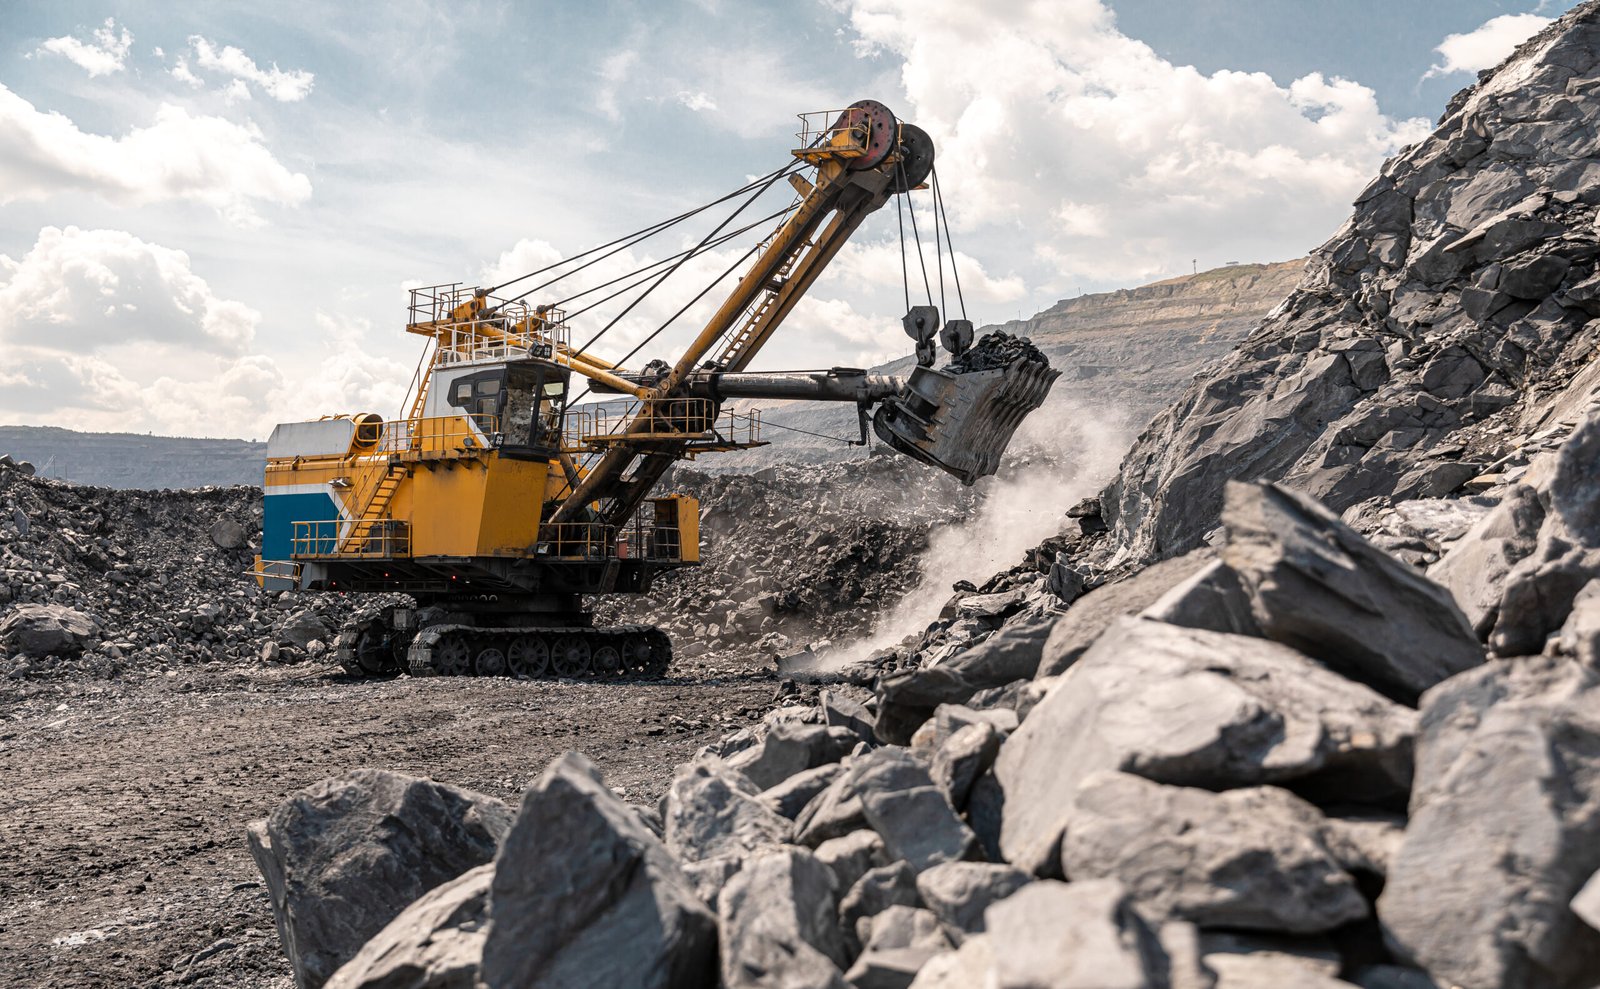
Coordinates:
column 279, row 512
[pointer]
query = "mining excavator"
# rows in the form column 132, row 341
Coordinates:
column 498, row 501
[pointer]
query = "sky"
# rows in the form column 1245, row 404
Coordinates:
column 210, row 215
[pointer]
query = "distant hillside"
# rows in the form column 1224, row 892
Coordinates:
column 1128, row 352
column 129, row 460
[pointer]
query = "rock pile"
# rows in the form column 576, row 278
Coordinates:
column 100, row 582
column 103, row 582
column 1204, row 796
column 796, row 555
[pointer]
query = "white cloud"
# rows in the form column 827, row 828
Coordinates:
column 1061, row 137
column 614, row 70
column 180, row 72
column 180, row 156
column 284, row 86
column 1487, row 45
column 91, row 290
column 697, row 101
column 102, row 56
column 102, row 330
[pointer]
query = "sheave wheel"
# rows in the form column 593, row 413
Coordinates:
column 452, row 658
column 570, row 655
column 635, row 653
column 607, row 661
column 491, row 663
column 528, row 656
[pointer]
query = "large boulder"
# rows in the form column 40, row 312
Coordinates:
column 713, row 810
column 1474, row 569
column 435, row 943
column 901, row 940
column 1316, row 585
column 1083, row 935
column 1250, row 859
column 1090, row 616
column 908, row 698
column 1540, row 589
column 342, row 858
column 959, row 892
column 1195, row 708
column 778, row 926
column 1504, row 829
column 47, row 630
column 901, row 802
column 584, row 894
column 789, row 748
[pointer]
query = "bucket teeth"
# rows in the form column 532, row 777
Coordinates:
column 962, row 423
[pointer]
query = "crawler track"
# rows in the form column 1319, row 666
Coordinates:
column 540, row 652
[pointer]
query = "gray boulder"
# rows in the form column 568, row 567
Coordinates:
column 893, row 885
column 959, row 892
column 1580, row 634
column 909, row 697
column 789, row 748
column 838, row 809
column 1089, row 617
column 962, row 759
column 1540, row 589
column 1195, row 708
column 712, row 810
column 584, row 894
column 1504, row 829
column 342, row 858
column 901, row 802
column 435, row 943
column 778, row 926
column 228, row 534
column 303, row 628
column 791, row 796
column 1317, row 586
column 1212, row 598
column 901, row 941
column 852, row 856
column 972, row 965
column 1082, row 935
column 1474, row 569
column 47, row 630
column 1249, row 859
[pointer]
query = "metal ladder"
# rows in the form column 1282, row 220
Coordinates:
column 376, row 509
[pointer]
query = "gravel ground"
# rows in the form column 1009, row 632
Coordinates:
column 122, row 852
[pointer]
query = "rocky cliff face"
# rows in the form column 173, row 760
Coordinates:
column 1452, row 315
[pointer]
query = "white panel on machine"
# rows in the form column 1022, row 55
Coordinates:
column 319, row 438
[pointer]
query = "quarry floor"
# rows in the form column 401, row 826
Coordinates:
column 123, row 804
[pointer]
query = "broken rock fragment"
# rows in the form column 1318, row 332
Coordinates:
column 585, row 894
column 1083, row 935
column 1195, row 708
column 778, row 926
column 1316, row 585
column 1504, row 829
column 435, row 943
column 1248, row 859
column 342, row 858
column 959, row 892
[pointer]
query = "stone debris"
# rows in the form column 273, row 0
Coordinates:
column 584, row 894
column 344, row 857
column 994, row 350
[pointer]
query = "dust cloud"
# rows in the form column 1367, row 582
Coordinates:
column 1064, row 452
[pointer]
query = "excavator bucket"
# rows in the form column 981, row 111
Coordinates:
column 961, row 418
